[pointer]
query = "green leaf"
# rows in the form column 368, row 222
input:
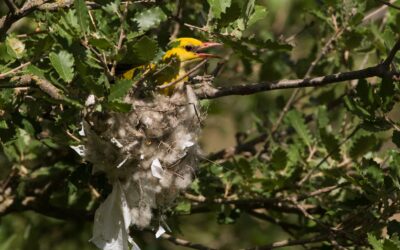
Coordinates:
column 356, row 108
column 4, row 55
column 321, row 15
column 396, row 138
column 322, row 116
column 232, row 17
column 267, row 44
column 100, row 43
column 377, row 125
column 331, row 143
column 145, row 49
column 295, row 120
column 374, row 242
column 3, row 124
column 183, row 207
column 389, row 244
column 362, row 145
column 82, row 14
column 218, row 7
column 63, row 63
column 244, row 168
column 32, row 69
column 353, row 39
column 365, row 92
column 150, row 18
column 393, row 227
column 260, row 12
column 142, row 52
column 228, row 215
column 279, row 159
column 119, row 106
column 240, row 48
column 112, row 8
column 67, row 26
column 10, row 242
column 386, row 94
column 248, row 9
column 372, row 172
column 15, row 47
column 120, row 89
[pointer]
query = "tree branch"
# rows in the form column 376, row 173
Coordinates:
column 284, row 225
column 29, row 6
column 191, row 71
column 185, row 243
column 286, row 243
column 248, row 89
column 250, row 204
column 392, row 54
column 11, row 6
column 13, row 71
column 389, row 4
column 7, row 20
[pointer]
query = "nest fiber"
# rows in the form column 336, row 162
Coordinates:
column 148, row 155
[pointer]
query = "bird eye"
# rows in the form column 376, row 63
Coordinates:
column 189, row 47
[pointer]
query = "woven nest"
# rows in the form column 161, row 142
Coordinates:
column 148, row 155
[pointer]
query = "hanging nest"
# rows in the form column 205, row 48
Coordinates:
column 149, row 156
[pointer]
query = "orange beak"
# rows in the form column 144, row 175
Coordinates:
column 207, row 45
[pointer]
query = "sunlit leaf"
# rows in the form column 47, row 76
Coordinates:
column 218, row 7
column 150, row 18
column 374, row 242
column 120, row 89
column 63, row 63
column 82, row 14
column 260, row 12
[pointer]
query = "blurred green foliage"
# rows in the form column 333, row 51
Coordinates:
column 330, row 169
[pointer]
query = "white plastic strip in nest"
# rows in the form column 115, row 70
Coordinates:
column 156, row 169
column 91, row 99
column 122, row 162
column 116, row 143
column 185, row 141
column 80, row 149
column 112, row 221
column 82, row 131
column 160, row 232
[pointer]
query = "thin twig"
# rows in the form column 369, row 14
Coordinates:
column 249, row 89
column 184, row 76
column 185, row 243
column 272, row 203
column 178, row 14
column 121, row 37
column 12, row 6
column 5, row 74
column 28, row 7
column 286, row 243
column 392, row 54
column 284, row 225
column 301, row 182
column 389, row 4
column 321, row 191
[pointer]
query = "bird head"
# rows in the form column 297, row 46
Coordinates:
column 188, row 49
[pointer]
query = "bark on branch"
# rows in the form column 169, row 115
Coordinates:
column 247, row 89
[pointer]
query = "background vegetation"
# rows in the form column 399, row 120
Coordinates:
column 313, row 168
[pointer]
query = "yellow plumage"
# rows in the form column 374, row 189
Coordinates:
column 182, row 51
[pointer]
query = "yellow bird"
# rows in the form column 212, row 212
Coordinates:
column 182, row 52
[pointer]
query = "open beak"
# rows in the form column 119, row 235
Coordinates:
column 207, row 45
